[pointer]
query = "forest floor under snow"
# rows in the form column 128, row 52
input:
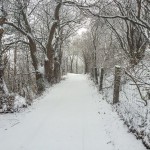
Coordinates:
column 70, row 116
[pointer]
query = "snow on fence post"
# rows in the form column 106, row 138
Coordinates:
column 117, row 84
column 101, row 79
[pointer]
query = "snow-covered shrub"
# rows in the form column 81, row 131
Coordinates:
column 20, row 102
column 7, row 102
column 11, row 103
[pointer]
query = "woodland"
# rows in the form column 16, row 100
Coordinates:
column 43, row 40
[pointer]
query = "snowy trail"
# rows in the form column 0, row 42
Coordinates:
column 72, row 116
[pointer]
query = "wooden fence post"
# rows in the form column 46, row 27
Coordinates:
column 92, row 73
column 96, row 75
column 101, row 79
column 117, row 84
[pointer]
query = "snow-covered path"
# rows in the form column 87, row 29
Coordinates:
column 72, row 116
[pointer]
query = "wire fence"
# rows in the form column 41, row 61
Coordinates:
column 133, row 99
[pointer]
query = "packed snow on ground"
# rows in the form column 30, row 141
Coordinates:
column 70, row 116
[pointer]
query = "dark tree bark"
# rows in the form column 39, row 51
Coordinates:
column 2, row 90
column 49, row 47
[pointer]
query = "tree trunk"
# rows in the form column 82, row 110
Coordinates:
column 77, row 66
column 14, row 89
column 38, row 75
column 2, row 89
column 48, row 66
column 71, row 65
